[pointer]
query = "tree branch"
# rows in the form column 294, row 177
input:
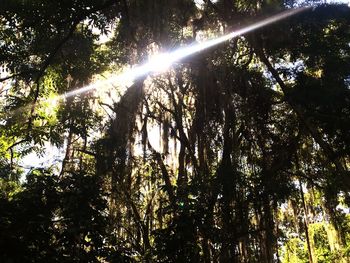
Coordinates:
column 327, row 149
column 165, row 174
column 17, row 75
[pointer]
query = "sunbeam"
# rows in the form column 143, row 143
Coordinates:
column 161, row 62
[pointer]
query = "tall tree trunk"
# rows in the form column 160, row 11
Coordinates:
column 228, row 181
column 268, row 227
column 69, row 152
column 309, row 242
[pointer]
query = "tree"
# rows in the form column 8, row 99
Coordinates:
column 239, row 153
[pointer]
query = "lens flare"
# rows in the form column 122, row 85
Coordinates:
column 161, row 62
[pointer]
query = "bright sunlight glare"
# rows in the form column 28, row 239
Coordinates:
column 161, row 62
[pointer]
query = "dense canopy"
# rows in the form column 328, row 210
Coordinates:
column 238, row 153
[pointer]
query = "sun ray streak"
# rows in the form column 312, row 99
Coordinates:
column 163, row 61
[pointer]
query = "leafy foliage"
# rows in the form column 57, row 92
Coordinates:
column 237, row 154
